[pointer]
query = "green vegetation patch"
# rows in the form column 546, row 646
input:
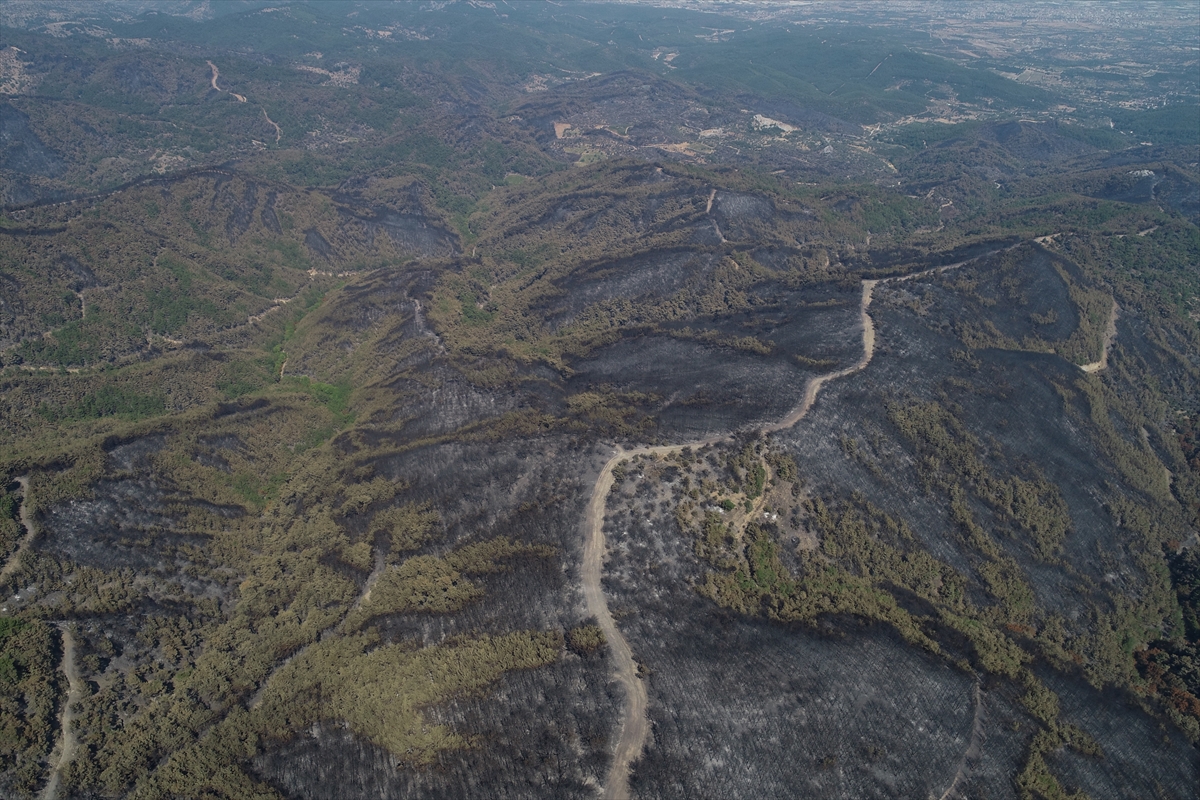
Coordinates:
column 585, row 640
column 80, row 342
column 256, row 490
column 108, row 401
column 379, row 691
column 169, row 304
column 431, row 584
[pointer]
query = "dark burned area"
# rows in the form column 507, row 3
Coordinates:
column 652, row 417
column 526, row 492
column 863, row 714
column 839, row 706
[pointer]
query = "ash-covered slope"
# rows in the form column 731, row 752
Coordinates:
column 917, row 445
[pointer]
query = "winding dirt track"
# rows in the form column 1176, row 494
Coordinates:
column 67, row 721
column 273, row 124
column 813, row 387
column 241, row 98
column 69, row 743
column 215, row 74
column 974, row 745
column 1110, row 335
column 635, row 726
column 634, row 723
column 364, row 597
column 27, row 521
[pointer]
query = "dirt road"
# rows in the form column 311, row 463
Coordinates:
column 1110, row 335
column 813, row 387
column 273, row 124
column 363, row 598
column 974, row 745
column 70, row 742
column 635, row 726
column 26, row 521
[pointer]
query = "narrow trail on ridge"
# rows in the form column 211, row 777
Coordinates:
column 813, row 387
column 241, row 98
column 273, row 124
column 364, row 597
column 974, row 745
column 70, row 743
column 27, row 522
column 1110, row 336
column 216, row 73
column 635, row 725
